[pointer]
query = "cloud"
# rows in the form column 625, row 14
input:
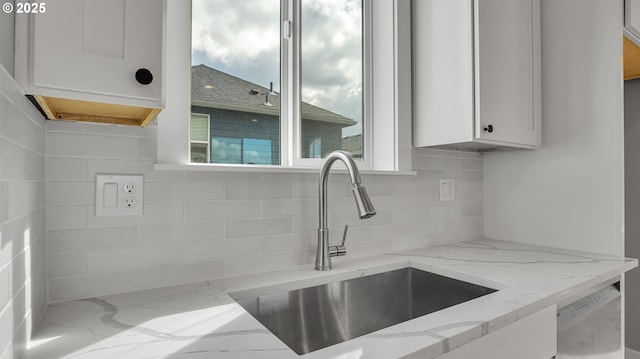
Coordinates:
column 243, row 39
column 236, row 32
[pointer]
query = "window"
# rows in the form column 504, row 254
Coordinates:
column 386, row 92
column 279, row 81
column 199, row 138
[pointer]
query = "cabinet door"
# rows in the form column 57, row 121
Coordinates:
column 632, row 18
column 507, row 71
column 97, row 46
column 533, row 337
column 442, row 71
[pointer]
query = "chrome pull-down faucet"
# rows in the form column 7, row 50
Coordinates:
column 365, row 208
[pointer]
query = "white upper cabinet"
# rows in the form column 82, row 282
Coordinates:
column 632, row 20
column 476, row 66
column 93, row 50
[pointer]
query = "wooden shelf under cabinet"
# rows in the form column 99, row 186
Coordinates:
column 85, row 111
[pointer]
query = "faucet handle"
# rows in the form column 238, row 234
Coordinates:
column 344, row 234
column 340, row 250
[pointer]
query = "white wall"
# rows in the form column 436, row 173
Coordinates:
column 201, row 225
column 570, row 193
column 22, row 222
column 7, row 38
column 632, row 207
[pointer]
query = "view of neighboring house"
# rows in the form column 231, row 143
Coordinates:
column 353, row 144
column 234, row 121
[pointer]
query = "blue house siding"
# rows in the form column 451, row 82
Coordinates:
column 242, row 127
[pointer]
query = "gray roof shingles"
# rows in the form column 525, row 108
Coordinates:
column 216, row 89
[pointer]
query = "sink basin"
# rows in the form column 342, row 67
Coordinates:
column 316, row 317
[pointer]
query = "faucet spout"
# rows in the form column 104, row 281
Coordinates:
column 365, row 207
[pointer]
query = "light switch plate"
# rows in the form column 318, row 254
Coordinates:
column 119, row 195
column 447, row 189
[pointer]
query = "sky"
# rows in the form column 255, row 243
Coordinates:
column 242, row 38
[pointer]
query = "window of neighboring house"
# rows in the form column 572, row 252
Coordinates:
column 315, row 148
column 278, row 92
column 199, row 138
column 246, row 151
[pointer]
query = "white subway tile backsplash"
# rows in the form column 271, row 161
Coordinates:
column 5, row 291
column 4, row 202
column 472, row 164
column 470, row 176
column 180, row 191
column 7, row 330
column 20, row 269
column 335, row 188
column 65, row 127
column 121, row 131
column 206, row 251
column 288, row 207
column 289, row 242
column 164, row 176
column 121, row 166
column 20, row 164
column 83, row 240
column 443, row 237
column 81, row 145
column 464, row 223
column 18, row 233
column 257, row 264
column 65, row 265
column 70, row 193
column 66, row 217
column 465, row 188
column 443, row 163
column 179, row 233
column 256, row 227
column 391, row 231
column 118, row 260
column 23, row 131
column 472, row 198
column 369, row 248
column 470, row 211
column 177, row 274
column 10, row 90
column 66, row 169
column 217, row 210
column 4, row 115
column 258, row 190
column 25, row 198
column 147, row 149
column 199, row 225
column 22, row 220
column 154, row 213
column 221, row 176
column 67, row 288
column 309, row 223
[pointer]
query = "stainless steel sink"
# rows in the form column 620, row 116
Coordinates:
column 316, row 317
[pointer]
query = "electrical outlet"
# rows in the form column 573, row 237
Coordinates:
column 119, row 195
column 129, row 187
column 447, row 189
column 130, row 202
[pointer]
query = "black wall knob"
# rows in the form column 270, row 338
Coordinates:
column 144, row 76
column 488, row 129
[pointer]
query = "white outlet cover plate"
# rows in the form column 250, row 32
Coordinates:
column 104, row 200
column 447, row 189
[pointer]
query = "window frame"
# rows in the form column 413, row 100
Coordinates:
column 291, row 82
column 387, row 142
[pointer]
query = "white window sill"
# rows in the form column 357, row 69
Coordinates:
column 267, row 169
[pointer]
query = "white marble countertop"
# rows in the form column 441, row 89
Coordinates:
column 197, row 321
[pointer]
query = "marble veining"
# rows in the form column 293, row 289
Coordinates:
column 201, row 320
